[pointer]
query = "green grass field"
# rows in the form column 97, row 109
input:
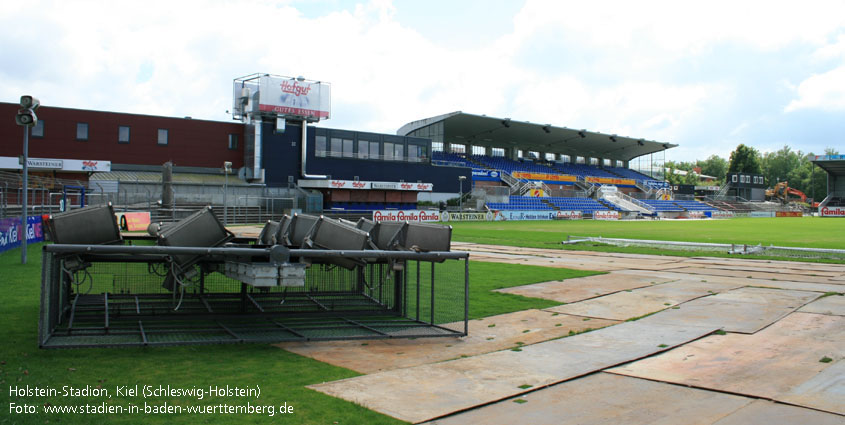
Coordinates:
column 809, row 232
column 282, row 376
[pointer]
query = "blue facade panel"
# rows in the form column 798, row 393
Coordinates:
column 281, row 160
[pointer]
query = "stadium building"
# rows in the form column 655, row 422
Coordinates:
column 833, row 204
column 279, row 152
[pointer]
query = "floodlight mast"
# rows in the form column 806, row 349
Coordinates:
column 26, row 118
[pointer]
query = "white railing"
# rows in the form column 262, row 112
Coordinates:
column 514, row 183
column 723, row 190
column 664, row 192
column 830, row 197
column 625, row 201
column 535, row 185
column 588, row 187
column 641, row 185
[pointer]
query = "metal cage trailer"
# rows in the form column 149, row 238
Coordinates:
column 125, row 295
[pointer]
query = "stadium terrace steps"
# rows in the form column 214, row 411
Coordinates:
column 549, row 203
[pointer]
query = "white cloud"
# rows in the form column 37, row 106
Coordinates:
column 822, row 91
column 384, row 73
column 684, row 26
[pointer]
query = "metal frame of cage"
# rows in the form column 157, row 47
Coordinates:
column 113, row 296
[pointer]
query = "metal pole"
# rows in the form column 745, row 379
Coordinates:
column 25, row 193
column 225, row 191
column 461, row 195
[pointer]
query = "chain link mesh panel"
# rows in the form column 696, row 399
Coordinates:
column 116, row 300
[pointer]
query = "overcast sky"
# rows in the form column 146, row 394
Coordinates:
column 704, row 75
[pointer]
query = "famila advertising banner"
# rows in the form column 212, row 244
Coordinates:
column 832, row 212
column 413, row 216
column 289, row 97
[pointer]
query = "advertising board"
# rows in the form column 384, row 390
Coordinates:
column 486, row 175
column 655, row 184
column 413, row 216
column 608, row 180
column 520, row 215
column 789, row 214
column 829, row 158
column 290, row 97
column 133, row 221
column 364, row 185
column 466, row 216
column 761, row 214
column 719, row 214
column 13, row 163
column 569, row 215
column 606, row 215
column 542, row 176
column 11, row 232
column 832, row 212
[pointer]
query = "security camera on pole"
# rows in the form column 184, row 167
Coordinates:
column 26, row 118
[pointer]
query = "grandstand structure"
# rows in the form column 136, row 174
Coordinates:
column 833, row 204
column 493, row 163
column 280, row 152
column 544, row 167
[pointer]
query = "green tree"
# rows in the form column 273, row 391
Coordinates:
column 715, row 166
column 690, row 177
column 818, row 177
column 796, row 168
column 745, row 159
column 686, row 166
column 784, row 165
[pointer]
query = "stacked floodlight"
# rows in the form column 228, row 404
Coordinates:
column 85, row 226
column 304, row 278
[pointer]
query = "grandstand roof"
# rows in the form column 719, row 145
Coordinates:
column 482, row 130
column 833, row 164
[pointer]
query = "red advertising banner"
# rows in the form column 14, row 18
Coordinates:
column 569, row 215
column 606, row 215
column 789, row 214
column 413, row 216
column 832, row 212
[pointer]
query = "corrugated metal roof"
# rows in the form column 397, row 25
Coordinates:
column 152, row 177
column 482, row 130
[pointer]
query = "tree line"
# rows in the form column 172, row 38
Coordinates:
column 782, row 165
